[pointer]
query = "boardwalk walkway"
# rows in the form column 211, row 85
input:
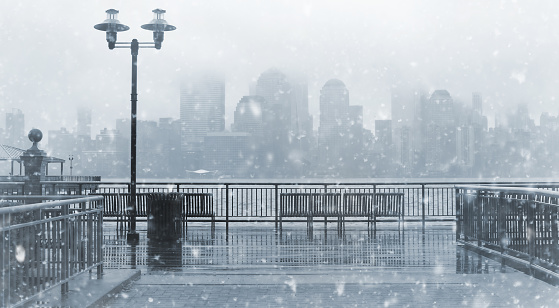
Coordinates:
column 253, row 266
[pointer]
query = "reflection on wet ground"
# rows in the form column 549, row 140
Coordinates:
column 258, row 245
column 253, row 266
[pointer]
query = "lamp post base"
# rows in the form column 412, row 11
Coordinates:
column 132, row 237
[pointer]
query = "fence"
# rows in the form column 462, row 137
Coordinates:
column 46, row 244
column 521, row 224
column 259, row 201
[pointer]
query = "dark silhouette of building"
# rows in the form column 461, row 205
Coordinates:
column 202, row 111
column 439, row 129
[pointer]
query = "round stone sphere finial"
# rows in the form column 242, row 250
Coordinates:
column 35, row 135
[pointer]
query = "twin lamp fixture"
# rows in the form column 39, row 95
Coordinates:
column 112, row 25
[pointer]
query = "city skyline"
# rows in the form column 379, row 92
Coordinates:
column 505, row 50
column 429, row 134
column 87, row 123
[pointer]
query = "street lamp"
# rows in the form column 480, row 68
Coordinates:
column 111, row 26
column 71, row 159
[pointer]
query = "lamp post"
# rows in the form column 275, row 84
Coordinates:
column 111, row 26
column 71, row 159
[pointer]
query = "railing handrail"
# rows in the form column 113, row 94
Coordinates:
column 41, row 197
column 509, row 189
column 37, row 206
column 310, row 182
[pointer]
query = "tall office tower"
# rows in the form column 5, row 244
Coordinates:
column 202, row 111
column 477, row 103
column 477, row 133
column 287, row 98
column 406, row 122
column 440, row 133
column 249, row 116
column 15, row 128
column 301, row 121
column 84, row 122
column 383, row 133
column 333, row 127
column 288, row 125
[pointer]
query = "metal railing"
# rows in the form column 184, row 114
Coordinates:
column 46, row 244
column 259, row 201
column 519, row 223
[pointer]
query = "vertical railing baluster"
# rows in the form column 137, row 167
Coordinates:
column 531, row 230
column 458, row 214
column 227, row 209
column 423, row 206
column 501, row 222
column 65, row 249
column 554, row 231
column 276, row 205
column 478, row 209
column 99, row 242
column 90, row 238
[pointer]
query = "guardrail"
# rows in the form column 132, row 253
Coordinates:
column 46, row 244
column 260, row 201
column 520, row 224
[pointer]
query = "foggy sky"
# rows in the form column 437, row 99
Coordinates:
column 53, row 60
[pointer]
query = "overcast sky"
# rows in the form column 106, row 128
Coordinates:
column 53, row 60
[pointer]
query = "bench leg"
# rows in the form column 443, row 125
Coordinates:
column 340, row 225
column 310, row 226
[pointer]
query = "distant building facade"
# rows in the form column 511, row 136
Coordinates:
column 287, row 125
column 202, row 108
column 202, row 111
column 439, row 132
column 15, row 128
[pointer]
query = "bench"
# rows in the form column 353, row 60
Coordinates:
column 116, row 205
column 309, row 205
column 192, row 205
column 373, row 206
column 198, row 205
column 370, row 205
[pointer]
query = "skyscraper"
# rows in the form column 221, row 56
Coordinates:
column 84, row 123
column 477, row 103
column 440, row 132
column 406, row 123
column 202, row 108
column 334, row 123
column 288, row 125
column 249, row 116
column 15, row 128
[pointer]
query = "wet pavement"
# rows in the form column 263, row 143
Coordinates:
column 254, row 266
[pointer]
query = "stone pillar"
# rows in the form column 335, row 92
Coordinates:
column 34, row 163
